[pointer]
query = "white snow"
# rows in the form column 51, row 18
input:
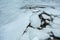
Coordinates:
column 15, row 29
column 35, row 38
column 35, row 21
column 13, row 20
column 37, row 33
column 56, row 32
column 52, row 11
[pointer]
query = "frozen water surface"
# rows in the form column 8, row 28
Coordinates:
column 14, row 20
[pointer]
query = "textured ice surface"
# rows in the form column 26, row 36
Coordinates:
column 35, row 21
column 13, row 20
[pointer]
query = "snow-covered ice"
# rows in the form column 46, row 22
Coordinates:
column 13, row 20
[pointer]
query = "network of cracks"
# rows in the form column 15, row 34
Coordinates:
column 44, row 22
